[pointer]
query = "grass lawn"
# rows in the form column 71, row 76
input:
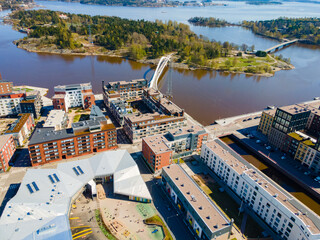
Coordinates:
column 231, row 208
column 76, row 118
column 21, row 89
column 156, row 220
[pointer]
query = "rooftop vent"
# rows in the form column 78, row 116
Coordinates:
column 200, row 207
column 208, row 217
column 276, row 195
column 216, row 226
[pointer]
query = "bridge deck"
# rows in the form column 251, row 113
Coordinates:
column 281, row 44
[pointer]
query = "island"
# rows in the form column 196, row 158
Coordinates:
column 306, row 30
column 139, row 40
column 149, row 3
column 16, row 4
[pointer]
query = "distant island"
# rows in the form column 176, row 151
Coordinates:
column 148, row 3
column 307, row 30
column 16, row 4
column 139, row 40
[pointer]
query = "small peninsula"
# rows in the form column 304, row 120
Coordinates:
column 139, row 40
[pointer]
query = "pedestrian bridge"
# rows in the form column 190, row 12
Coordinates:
column 281, row 45
column 161, row 65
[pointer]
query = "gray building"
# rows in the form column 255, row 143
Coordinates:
column 204, row 217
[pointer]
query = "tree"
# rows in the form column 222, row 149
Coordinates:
column 244, row 47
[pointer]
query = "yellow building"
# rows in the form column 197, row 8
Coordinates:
column 305, row 152
column 266, row 120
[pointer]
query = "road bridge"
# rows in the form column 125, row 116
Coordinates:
column 281, row 45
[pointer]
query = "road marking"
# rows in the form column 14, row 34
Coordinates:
column 88, row 229
column 82, row 235
column 80, row 227
column 74, row 218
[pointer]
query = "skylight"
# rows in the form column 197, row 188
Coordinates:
column 77, row 170
column 54, row 178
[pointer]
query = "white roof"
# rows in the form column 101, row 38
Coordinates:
column 43, row 214
column 55, row 117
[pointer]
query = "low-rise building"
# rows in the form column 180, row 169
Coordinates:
column 22, row 128
column 32, row 104
column 287, row 216
column 7, row 149
column 73, row 95
column 123, row 90
column 204, row 217
column 57, row 119
column 94, row 135
column 41, row 207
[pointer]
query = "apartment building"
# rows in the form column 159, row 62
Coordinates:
column 159, row 150
column 266, row 121
column 288, row 217
column 32, row 104
column 123, row 90
column 119, row 109
column 22, row 128
column 73, row 95
column 10, row 103
column 156, row 152
column 94, row 135
column 139, row 126
column 7, row 149
column 158, row 103
column 57, row 119
column 204, row 217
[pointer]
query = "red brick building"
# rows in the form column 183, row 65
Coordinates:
column 159, row 150
column 5, row 87
column 95, row 135
column 7, row 149
column 156, row 152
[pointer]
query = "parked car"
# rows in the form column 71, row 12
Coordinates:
column 249, row 119
column 258, row 141
column 268, row 147
column 283, row 157
column 257, row 117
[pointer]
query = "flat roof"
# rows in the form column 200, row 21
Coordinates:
column 157, row 143
column 19, row 123
column 126, row 82
column 189, row 129
column 41, row 206
column 240, row 165
column 203, row 206
column 285, row 199
column 270, row 112
column 296, row 108
column 154, row 117
column 54, row 118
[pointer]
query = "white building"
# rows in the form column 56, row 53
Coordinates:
column 58, row 119
column 73, row 95
column 288, row 217
column 40, row 209
column 10, row 104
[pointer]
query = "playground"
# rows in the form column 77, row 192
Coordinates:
column 124, row 219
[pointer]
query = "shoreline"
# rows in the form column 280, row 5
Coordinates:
column 175, row 65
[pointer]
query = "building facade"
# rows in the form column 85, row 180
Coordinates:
column 266, row 121
column 204, row 217
column 7, row 149
column 288, row 217
column 10, row 103
column 22, row 128
column 156, row 152
column 32, row 104
column 84, row 137
column 120, row 109
column 73, row 95
column 123, row 90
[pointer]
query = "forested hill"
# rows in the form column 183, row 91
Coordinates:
column 139, row 38
column 290, row 28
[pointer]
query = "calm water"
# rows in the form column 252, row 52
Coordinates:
column 206, row 95
column 283, row 181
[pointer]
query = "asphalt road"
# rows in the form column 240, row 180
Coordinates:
column 163, row 204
